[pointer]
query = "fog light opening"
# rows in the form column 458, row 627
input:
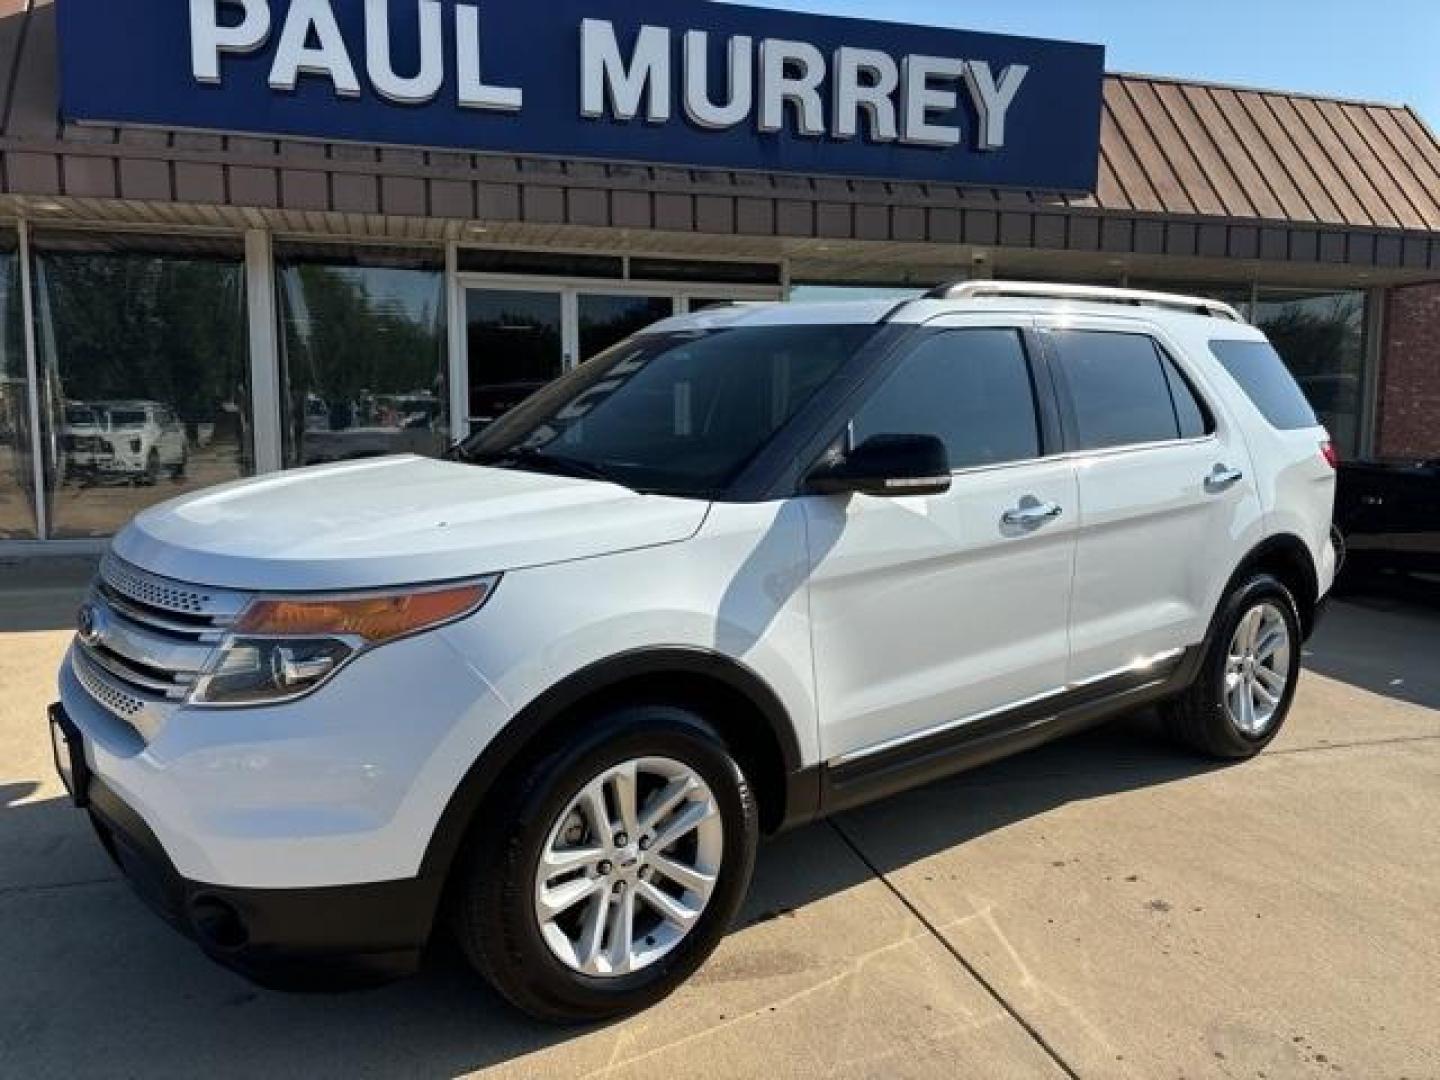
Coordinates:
column 217, row 924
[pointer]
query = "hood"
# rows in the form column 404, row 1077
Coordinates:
column 394, row 521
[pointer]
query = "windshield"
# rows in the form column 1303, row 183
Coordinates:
column 127, row 418
column 678, row 414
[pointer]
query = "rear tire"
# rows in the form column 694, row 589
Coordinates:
column 578, row 964
column 1242, row 695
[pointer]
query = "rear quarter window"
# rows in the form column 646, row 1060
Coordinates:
column 1257, row 367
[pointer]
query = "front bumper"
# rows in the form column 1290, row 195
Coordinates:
column 343, row 787
column 319, row 939
column 290, row 842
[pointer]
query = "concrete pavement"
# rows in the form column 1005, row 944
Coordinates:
column 1102, row 907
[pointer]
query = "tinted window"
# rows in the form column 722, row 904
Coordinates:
column 678, row 413
column 971, row 389
column 1257, row 367
column 1194, row 418
column 1119, row 388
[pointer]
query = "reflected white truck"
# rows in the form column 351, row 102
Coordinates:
column 127, row 440
column 750, row 567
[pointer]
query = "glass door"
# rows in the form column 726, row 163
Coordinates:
column 607, row 319
column 515, row 344
column 520, row 333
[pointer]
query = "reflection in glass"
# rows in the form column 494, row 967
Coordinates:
column 17, row 469
column 609, row 320
column 364, row 354
column 145, row 373
column 516, row 346
column 1322, row 339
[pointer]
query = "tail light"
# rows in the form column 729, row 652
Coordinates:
column 1330, row 454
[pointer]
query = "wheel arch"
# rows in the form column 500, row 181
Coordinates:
column 1288, row 558
column 744, row 709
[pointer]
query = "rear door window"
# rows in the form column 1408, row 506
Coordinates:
column 1119, row 388
column 1257, row 367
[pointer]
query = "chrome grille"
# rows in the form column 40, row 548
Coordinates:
column 149, row 638
column 162, row 593
column 91, row 677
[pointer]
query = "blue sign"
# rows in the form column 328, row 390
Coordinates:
column 681, row 82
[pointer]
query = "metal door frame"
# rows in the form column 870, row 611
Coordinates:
column 569, row 290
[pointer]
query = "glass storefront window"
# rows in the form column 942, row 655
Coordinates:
column 1322, row 339
column 364, row 353
column 144, row 373
column 17, row 468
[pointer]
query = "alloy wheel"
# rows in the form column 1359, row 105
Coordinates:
column 628, row 867
column 1257, row 669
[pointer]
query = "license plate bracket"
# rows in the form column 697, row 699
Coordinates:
column 68, row 748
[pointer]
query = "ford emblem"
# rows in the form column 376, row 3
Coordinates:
column 91, row 622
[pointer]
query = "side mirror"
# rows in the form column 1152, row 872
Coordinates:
column 887, row 466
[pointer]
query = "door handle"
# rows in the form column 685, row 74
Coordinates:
column 1032, row 515
column 1223, row 479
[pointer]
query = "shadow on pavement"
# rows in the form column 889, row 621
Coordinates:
column 80, row 949
column 1385, row 639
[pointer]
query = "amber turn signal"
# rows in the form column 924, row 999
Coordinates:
column 375, row 618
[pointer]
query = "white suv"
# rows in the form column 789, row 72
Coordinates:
column 750, row 567
column 133, row 440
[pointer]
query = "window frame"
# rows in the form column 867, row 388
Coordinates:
column 1164, row 353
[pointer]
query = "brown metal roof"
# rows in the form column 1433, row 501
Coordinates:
column 1186, row 168
column 1178, row 147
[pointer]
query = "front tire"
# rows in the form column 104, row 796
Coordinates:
column 151, row 475
column 610, row 870
column 1239, row 701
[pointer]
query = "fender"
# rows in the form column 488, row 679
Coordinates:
column 801, row 799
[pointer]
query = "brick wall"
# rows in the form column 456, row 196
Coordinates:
column 1409, row 413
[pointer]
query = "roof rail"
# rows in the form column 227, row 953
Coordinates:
column 1094, row 294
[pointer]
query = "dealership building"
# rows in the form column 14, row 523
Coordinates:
column 243, row 236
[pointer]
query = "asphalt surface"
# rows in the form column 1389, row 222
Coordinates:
column 1105, row 906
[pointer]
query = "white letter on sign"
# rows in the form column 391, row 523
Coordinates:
column 993, row 102
column 791, row 71
column 294, row 58
column 702, row 111
column 603, row 73
column 208, row 39
column 427, row 81
column 474, row 94
column 922, row 99
column 865, row 80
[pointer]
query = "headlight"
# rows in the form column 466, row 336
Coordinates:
column 135, row 445
column 283, row 648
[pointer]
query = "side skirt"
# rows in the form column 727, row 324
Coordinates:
column 967, row 747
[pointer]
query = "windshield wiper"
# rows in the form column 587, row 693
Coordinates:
column 526, row 457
